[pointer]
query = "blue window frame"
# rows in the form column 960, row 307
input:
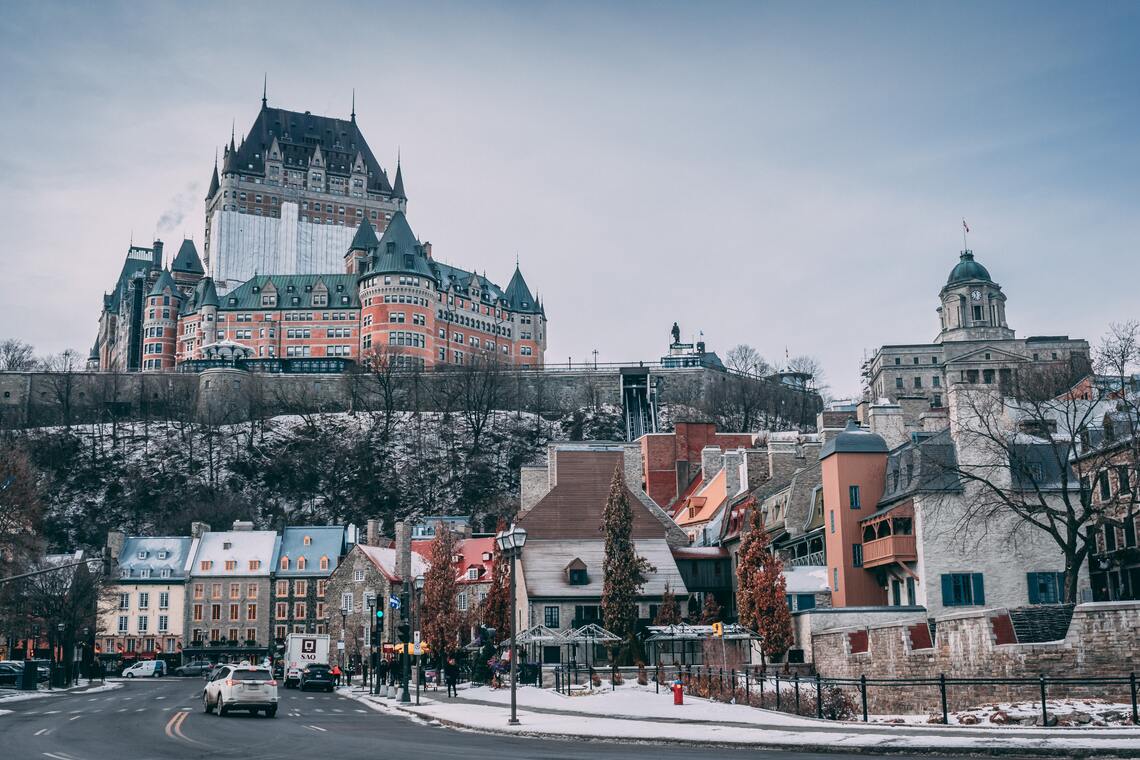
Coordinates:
column 1046, row 588
column 853, row 496
column 963, row 589
column 857, row 555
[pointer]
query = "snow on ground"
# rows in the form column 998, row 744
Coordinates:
column 20, row 696
column 1068, row 712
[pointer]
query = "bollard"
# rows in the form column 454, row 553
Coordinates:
column 863, row 693
column 1132, row 687
column 1044, row 707
column 777, row 691
column 732, row 683
column 942, row 694
column 747, row 689
column 797, row 693
column 818, row 696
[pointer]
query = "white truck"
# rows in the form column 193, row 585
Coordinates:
column 303, row 649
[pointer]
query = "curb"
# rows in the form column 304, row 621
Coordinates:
column 801, row 746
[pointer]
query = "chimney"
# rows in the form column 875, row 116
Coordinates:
column 782, row 460
column 115, row 541
column 156, row 256
column 755, row 467
column 198, row 528
column 427, row 249
column 404, row 550
column 684, row 475
column 733, row 464
column 243, row 525
column 372, row 534
column 886, row 419
column 711, row 461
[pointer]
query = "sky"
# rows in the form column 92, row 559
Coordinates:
column 788, row 175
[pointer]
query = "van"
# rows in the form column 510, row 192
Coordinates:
column 146, row 669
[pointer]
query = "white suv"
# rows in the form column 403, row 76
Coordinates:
column 241, row 687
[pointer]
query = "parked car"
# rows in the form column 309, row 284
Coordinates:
column 42, row 674
column 241, row 687
column 317, row 677
column 145, row 669
column 10, row 673
column 195, row 668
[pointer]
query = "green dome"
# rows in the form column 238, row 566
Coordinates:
column 968, row 269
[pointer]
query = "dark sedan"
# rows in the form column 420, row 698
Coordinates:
column 317, row 677
column 10, row 674
column 197, row 668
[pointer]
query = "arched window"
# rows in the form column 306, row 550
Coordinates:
column 324, row 563
column 300, row 563
column 284, row 563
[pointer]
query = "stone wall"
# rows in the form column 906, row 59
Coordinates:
column 1103, row 639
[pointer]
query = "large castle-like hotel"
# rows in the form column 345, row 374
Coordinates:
column 309, row 265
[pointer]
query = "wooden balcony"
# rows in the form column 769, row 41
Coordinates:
column 885, row 551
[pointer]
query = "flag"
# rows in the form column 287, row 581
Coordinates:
column 965, row 226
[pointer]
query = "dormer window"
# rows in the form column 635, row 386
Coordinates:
column 125, row 572
column 472, row 573
column 576, row 573
column 141, row 555
column 307, row 540
column 163, row 554
column 284, row 564
column 144, row 572
column 301, row 563
column 227, row 545
column 487, row 556
column 324, row 563
column 165, row 572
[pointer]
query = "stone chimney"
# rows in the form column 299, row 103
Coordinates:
column 684, row 475
column 733, row 464
column 934, row 421
column 427, row 249
column 782, row 460
column 711, row 461
column 156, row 256
column 115, row 541
column 372, row 534
column 243, row 525
column 404, row 550
column 755, row 467
column 886, row 419
column 197, row 529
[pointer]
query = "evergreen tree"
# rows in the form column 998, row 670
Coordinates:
column 761, row 590
column 668, row 613
column 624, row 571
column 440, row 616
column 710, row 610
column 495, row 612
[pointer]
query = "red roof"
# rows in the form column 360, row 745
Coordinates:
column 470, row 553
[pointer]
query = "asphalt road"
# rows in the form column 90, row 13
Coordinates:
column 149, row 719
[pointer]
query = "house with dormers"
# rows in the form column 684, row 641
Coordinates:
column 141, row 615
column 306, row 557
column 229, row 579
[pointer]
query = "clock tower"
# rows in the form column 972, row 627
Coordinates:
column 973, row 306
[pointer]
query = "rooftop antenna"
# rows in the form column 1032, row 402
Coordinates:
column 354, row 111
column 264, row 89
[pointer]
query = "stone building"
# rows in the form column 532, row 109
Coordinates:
column 228, row 591
column 141, row 615
column 974, row 344
column 290, row 194
column 306, row 557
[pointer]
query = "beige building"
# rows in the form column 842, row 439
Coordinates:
column 140, row 617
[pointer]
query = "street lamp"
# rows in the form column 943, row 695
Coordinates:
column 510, row 543
column 340, row 654
column 415, row 627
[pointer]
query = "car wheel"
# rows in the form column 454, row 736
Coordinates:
column 223, row 710
column 206, row 706
column 130, row 675
column 271, row 712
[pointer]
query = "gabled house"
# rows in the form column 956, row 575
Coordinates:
column 305, row 558
column 561, row 566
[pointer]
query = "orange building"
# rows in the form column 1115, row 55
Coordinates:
column 671, row 462
column 854, row 466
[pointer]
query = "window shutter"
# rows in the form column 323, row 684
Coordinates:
column 1031, row 580
column 979, row 589
column 948, row 591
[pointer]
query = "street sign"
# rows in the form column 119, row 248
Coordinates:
column 340, row 645
column 394, row 602
column 416, row 639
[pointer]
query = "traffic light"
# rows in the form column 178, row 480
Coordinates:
column 380, row 614
column 718, row 629
column 404, row 631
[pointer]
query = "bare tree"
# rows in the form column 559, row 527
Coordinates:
column 1019, row 461
column 60, row 371
column 387, row 373
column 481, row 390
column 746, row 359
column 16, row 356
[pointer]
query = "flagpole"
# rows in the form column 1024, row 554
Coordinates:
column 965, row 229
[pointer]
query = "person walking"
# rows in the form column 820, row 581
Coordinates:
column 382, row 672
column 451, row 675
column 335, row 673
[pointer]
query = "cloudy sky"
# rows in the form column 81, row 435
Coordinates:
column 787, row 175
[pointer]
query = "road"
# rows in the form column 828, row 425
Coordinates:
column 152, row 719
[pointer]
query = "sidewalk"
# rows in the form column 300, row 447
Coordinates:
column 7, row 696
column 638, row 714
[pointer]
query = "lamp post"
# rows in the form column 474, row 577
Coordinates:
column 419, row 587
column 510, row 543
column 340, row 654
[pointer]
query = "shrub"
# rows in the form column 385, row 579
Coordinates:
column 642, row 677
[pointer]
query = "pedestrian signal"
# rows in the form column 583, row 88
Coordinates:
column 718, row 629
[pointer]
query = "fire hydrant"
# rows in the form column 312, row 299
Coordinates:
column 678, row 693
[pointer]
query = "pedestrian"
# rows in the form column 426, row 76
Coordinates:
column 335, row 673
column 451, row 675
column 382, row 672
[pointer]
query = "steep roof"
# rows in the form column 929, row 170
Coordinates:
column 186, row 260
column 241, row 546
column 365, row 238
column 399, row 252
column 705, row 503
column 544, row 571
column 324, row 541
column 215, row 185
column 854, row 440
column 298, row 137
column 967, row 269
column 154, row 554
column 164, row 282
column 209, row 293
column 294, row 291
column 398, row 186
column 138, row 261
column 384, row 559
column 518, row 293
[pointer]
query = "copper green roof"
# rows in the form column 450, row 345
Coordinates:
column 163, row 282
column 294, row 291
column 967, row 269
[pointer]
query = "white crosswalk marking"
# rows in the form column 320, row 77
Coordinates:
column 42, row 731
column 75, row 717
